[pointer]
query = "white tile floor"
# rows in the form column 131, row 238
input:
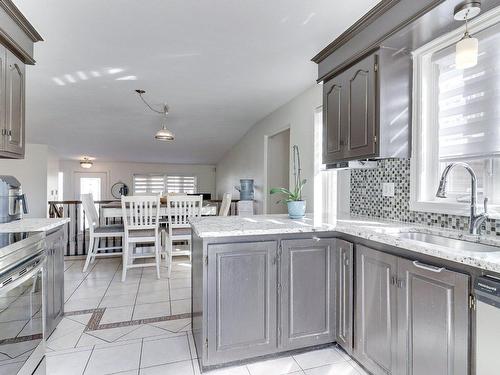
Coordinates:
column 164, row 347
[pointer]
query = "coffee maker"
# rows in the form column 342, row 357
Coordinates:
column 12, row 200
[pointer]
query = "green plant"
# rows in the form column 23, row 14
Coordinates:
column 290, row 196
column 296, row 194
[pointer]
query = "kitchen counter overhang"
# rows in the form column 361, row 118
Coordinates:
column 33, row 225
column 380, row 231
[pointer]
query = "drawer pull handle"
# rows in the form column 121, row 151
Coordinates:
column 427, row 267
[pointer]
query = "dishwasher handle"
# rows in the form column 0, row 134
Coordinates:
column 427, row 267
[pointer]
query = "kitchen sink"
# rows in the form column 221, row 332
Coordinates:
column 449, row 242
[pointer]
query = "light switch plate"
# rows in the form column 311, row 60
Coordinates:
column 388, row 189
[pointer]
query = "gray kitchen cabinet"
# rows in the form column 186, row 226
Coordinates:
column 376, row 309
column 350, row 117
column 362, row 117
column 307, row 292
column 55, row 245
column 411, row 318
column 344, row 294
column 335, row 119
column 13, row 132
column 242, row 295
column 433, row 315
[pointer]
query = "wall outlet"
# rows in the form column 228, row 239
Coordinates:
column 388, row 189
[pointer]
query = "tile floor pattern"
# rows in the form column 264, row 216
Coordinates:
column 164, row 347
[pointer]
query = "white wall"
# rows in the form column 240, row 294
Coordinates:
column 52, row 175
column 124, row 171
column 32, row 173
column 246, row 158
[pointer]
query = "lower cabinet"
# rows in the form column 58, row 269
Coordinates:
column 266, row 297
column 344, row 287
column 376, row 309
column 307, row 293
column 433, row 319
column 242, row 295
column 55, row 243
column 411, row 317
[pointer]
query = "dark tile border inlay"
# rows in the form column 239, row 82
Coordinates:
column 97, row 314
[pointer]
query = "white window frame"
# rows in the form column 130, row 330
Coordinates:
column 146, row 175
column 424, row 171
column 182, row 176
column 165, row 180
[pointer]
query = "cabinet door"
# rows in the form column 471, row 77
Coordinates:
column 334, row 119
column 376, row 310
column 362, row 114
column 55, row 278
column 49, row 288
column 59, row 246
column 242, row 289
column 307, row 300
column 14, row 126
column 344, row 294
column 433, row 320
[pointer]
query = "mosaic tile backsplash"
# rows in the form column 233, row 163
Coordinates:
column 367, row 199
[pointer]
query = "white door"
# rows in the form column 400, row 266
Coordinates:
column 95, row 183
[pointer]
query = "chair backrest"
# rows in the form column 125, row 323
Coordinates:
column 225, row 205
column 140, row 212
column 90, row 211
column 182, row 207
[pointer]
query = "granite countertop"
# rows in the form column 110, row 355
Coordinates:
column 32, row 225
column 382, row 231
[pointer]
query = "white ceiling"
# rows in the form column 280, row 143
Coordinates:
column 221, row 65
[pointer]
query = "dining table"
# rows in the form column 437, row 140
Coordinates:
column 112, row 211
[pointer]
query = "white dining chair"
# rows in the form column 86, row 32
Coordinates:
column 96, row 232
column 225, row 205
column 179, row 210
column 141, row 225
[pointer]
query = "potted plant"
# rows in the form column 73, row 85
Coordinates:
column 293, row 199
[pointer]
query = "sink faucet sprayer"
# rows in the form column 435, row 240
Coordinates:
column 475, row 220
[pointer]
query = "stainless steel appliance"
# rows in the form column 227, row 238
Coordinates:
column 12, row 200
column 487, row 291
column 22, row 315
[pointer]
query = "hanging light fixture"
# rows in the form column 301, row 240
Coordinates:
column 467, row 48
column 86, row 163
column 163, row 134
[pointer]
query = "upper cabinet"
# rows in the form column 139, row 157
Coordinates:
column 349, row 115
column 17, row 37
column 13, row 132
column 363, row 118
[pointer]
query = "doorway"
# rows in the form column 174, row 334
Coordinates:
column 95, row 183
column 278, row 169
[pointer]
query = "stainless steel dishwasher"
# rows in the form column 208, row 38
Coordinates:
column 487, row 291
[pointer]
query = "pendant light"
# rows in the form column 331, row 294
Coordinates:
column 86, row 163
column 163, row 134
column 467, row 48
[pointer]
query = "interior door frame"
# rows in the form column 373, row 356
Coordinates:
column 264, row 179
column 104, row 184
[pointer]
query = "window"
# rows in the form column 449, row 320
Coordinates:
column 181, row 184
column 325, row 181
column 149, row 184
column 158, row 184
column 457, row 119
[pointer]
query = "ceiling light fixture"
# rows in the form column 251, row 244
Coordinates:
column 467, row 48
column 163, row 134
column 86, row 163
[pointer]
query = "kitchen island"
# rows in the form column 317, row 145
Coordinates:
column 266, row 284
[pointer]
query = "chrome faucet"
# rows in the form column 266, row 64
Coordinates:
column 475, row 220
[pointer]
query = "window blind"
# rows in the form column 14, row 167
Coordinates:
column 181, row 184
column 149, row 184
column 469, row 101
